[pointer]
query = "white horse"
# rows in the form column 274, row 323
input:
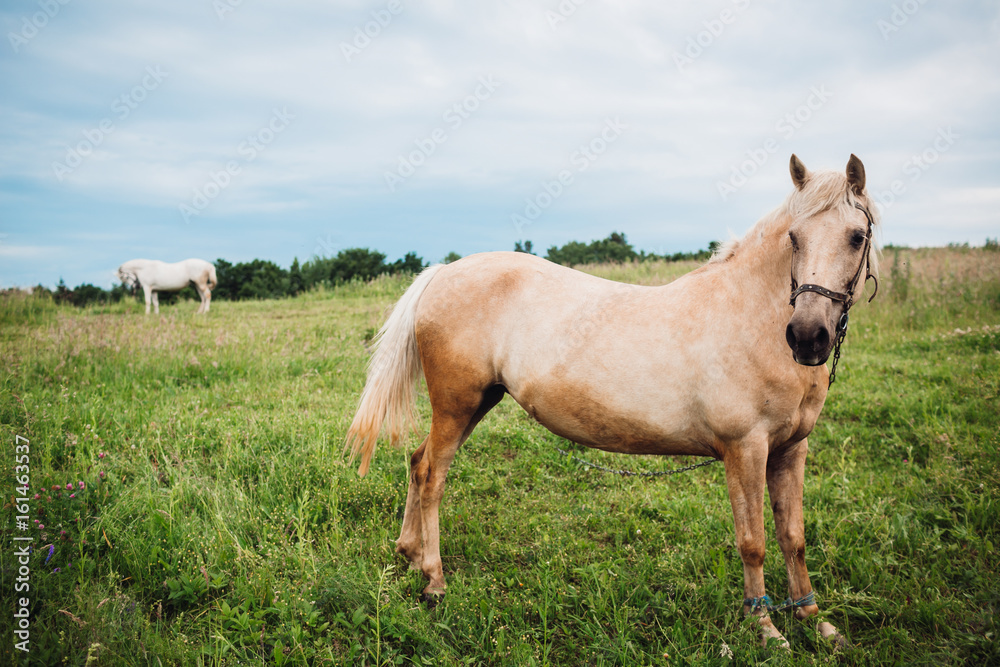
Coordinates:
column 153, row 275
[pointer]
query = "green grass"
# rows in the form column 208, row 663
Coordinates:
column 223, row 526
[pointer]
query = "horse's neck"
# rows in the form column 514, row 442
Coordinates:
column 763, row 263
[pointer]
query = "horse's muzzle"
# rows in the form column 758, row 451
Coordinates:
column 811, row 341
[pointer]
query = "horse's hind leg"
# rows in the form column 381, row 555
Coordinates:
column 408, row 543
column 451, row 425
column 148, row 294
column 785, row 474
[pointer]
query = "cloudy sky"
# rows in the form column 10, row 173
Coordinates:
column 250, row 129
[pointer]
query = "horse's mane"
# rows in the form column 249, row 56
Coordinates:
column 824, row 191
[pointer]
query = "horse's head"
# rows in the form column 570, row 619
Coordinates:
column 127, row 277
column 832, row 255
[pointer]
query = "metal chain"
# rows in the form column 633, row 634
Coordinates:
column 629, row 473
column 836, row 356
column 841, row 335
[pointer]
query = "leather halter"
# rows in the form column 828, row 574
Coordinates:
column 847, row 298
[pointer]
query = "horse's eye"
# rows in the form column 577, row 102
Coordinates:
column 858, row 239
column 795, row 243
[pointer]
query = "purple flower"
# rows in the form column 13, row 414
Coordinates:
column 82, row 485
column 52, row 550
column 102, row 474
column 37, row 496
column 72, row 495
column 56, row 571
column 41, row 526
column 101, row 455
column 69, row 486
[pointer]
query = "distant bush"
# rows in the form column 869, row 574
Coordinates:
column 615, row 249
column 263, row 279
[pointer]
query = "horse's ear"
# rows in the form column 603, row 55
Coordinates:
column 856, row 174
column 799, row 172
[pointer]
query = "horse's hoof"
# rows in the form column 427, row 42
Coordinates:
column 412, row 555
column 770, row 634
column 830, row 633
column 431, row 599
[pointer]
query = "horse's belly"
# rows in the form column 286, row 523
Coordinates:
column 585, row 419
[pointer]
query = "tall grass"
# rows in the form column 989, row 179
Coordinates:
column 219, row 524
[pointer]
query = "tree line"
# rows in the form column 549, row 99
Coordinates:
column 263, row 279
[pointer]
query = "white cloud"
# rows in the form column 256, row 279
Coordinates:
column 558, row 84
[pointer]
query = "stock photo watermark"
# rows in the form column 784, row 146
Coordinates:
column 915, row 166
column 248, row 150
column 22, row 543
column 454, row 116
column 786, row 127
column 581, row 160
column 326, row 247
column 31, row 26
column 122, row 107
column 225, row 7
column 703, row 40
column 364, row 34
column 899, row 16
column 562, row 12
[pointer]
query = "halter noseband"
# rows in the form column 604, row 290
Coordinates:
column 847, row 298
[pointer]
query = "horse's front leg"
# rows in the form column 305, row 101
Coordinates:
column 148, row 294
column 206, row 297
column 746, row 462
column 785, row 475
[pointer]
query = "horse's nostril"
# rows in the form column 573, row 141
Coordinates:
column 822, row 340
column 790, row 336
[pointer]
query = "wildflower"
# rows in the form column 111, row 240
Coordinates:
column 72, row 495
column 101, row 455
column 37, row 496
column 41, row 526
column 69, row 486
column 56, row 571
column 52, row 549
column 55, row 487
column 82, row 485
column 102, row 474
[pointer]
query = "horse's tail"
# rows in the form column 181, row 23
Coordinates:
column 387, row 399
column 212, row 279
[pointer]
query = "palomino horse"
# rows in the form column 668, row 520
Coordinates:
column 718, row 363
column 153, row 275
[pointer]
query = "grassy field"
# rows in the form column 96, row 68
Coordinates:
column 188, row 475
